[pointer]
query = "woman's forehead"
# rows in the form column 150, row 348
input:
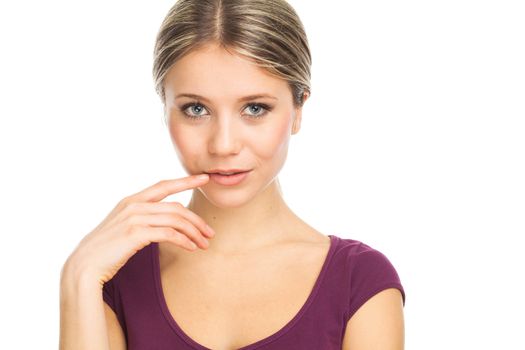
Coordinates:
column 219, row 74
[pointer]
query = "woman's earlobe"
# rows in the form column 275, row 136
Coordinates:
column 296, row 126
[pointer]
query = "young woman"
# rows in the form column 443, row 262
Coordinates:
column 235, row 268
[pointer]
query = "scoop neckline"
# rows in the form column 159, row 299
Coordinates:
column 283, row 330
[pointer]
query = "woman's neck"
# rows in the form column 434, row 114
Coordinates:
column 264, row 220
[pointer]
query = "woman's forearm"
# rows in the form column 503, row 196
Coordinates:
column 82, row 319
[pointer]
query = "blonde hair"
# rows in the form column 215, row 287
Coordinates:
column 269, row 32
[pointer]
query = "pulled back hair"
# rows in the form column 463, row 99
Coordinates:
column 268, row 32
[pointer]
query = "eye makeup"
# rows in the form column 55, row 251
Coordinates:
column 262, row 106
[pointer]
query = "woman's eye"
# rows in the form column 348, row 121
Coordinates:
column 189, row 106
column 259, row 111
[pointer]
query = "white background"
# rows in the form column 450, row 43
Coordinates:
column 412, row 142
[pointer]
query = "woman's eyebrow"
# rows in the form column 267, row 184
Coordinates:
column 245, row 98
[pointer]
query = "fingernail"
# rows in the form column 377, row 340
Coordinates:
column 210, row 230
column 202, row 176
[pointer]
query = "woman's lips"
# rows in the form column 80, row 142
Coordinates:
column 229, row 180
column 226, row 171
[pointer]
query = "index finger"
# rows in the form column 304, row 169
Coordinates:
column 164, row 188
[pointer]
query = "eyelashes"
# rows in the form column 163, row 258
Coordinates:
column 263, row 107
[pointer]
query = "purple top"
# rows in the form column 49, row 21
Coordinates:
column 352, row 273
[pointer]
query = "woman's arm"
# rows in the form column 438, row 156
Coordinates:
column 82, row 318
column 378, row 324
column 117, row 339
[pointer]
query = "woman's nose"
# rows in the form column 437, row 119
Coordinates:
column 224, row 136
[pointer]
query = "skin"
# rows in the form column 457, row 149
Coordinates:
column 245, row 218
column 252, row 214
column 251, row 220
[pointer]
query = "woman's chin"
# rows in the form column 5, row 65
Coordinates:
column 226, row 198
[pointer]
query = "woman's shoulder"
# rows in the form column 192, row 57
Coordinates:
column 354, row 247
column 366, row 270
column 364, row 263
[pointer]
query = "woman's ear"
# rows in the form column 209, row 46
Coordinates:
column 165, row 116
column 297, row 121
column 298, row 116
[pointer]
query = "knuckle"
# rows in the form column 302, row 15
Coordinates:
column 178, row 221
column 133, row 231
column 178, row 237
column 168, row 233
column 195, row 232
column 133, row 206
column 133, row 220
column 126, row 203
column 123, row 202
column 189, row 227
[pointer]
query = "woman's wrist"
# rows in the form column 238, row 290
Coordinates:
column 74, row 278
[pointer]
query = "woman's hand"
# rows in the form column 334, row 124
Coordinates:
column 135, row 222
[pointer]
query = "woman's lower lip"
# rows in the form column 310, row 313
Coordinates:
column 229, row 180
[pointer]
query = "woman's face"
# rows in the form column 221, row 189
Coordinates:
column 222, row 130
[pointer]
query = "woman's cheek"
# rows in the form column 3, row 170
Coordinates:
column 186, row 145
column 274, row 141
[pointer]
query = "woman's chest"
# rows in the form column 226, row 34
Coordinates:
column 233, row 303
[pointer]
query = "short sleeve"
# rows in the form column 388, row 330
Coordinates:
column 108, row 294
column 371, row 273
column 111, row 296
